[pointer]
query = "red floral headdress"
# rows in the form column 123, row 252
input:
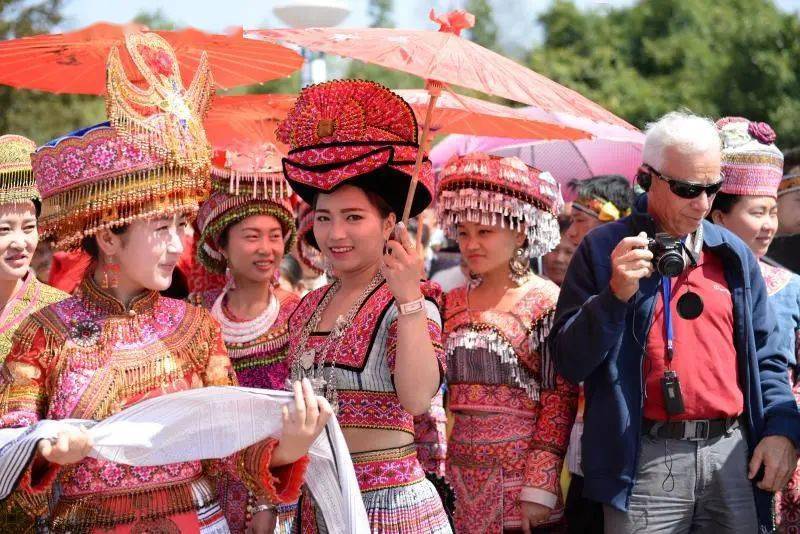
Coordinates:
column 358, row 132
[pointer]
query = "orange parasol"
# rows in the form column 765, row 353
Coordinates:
column 236, row 122
column 75, row 62
column 443, row 57
column 247, row 119
column 461, row 114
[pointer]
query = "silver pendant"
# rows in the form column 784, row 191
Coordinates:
column 307, row 358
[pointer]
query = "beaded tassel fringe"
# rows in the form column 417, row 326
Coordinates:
column 499, row 209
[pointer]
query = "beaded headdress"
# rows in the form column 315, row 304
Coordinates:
column 503, row 192
column 356, row 132
column 751, row 163
column 306, row 244
column 16, row 177
column 243, row 184
column 151, row 159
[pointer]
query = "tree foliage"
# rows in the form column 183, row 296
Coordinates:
column 155, row 20
column 738, row 57
column 380, row 13
column 485, row 30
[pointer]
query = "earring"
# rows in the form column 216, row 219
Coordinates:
column 519, row 267
column 230, row 282
column 110, row 278
column 276, row 277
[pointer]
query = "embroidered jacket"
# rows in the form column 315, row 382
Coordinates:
column 783, row 291
column 260, row 362
column 33, row 296
column 89, row 357
column 494, row 366
column 365, row 357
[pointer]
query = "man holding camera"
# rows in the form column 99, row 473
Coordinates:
column 690, row 424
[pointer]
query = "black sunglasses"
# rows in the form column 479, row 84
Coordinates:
column 685, row 189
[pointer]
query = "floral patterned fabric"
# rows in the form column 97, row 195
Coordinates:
column 89, row 357
column 783, row 288
column 510, row 434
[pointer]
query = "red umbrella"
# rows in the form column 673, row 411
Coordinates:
column 444, row 57
column 247, row 119
column 237, row 122
column 75, row 62
column 459, row 114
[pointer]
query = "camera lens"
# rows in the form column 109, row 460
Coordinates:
column 670, row 264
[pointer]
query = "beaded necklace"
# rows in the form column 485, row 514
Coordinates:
column 305, row 363
column 243, row 331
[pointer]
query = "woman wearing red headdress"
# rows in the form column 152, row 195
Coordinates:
column 371, row 340
column 513, row 415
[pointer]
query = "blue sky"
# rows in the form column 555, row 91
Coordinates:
column 515, row 17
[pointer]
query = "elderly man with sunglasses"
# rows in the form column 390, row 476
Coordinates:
column 690, row 425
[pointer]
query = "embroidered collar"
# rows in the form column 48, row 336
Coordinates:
column 101, row 300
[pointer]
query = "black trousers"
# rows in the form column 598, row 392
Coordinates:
column 583, row 515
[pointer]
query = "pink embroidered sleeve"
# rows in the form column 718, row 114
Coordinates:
column 557, row 410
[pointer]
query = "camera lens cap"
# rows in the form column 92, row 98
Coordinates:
column 690, row 305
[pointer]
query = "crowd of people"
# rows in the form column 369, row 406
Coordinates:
column 639, row 344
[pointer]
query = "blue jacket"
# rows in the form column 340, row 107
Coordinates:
column 594, row 340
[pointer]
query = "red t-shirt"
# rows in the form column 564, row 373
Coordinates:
column 704, row 355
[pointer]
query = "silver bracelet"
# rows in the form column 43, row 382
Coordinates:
column 410, row 308
column 258, row 508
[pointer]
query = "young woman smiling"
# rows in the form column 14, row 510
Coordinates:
column 370, row 342
column 123, row 192
column 21, row 293
column 246, row 226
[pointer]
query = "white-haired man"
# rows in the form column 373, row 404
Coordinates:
column 690, row 424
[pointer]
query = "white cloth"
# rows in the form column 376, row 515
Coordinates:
column 200, row 424
column 574, row 449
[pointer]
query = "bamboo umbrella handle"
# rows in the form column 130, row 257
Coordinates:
column 434, row 90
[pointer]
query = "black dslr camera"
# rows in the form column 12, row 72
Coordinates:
column 667, row 254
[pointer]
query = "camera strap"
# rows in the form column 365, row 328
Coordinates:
column 666, row 292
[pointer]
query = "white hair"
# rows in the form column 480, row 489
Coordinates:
column 688, row 133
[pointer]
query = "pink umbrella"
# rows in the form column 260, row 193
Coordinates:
column 614, row 149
